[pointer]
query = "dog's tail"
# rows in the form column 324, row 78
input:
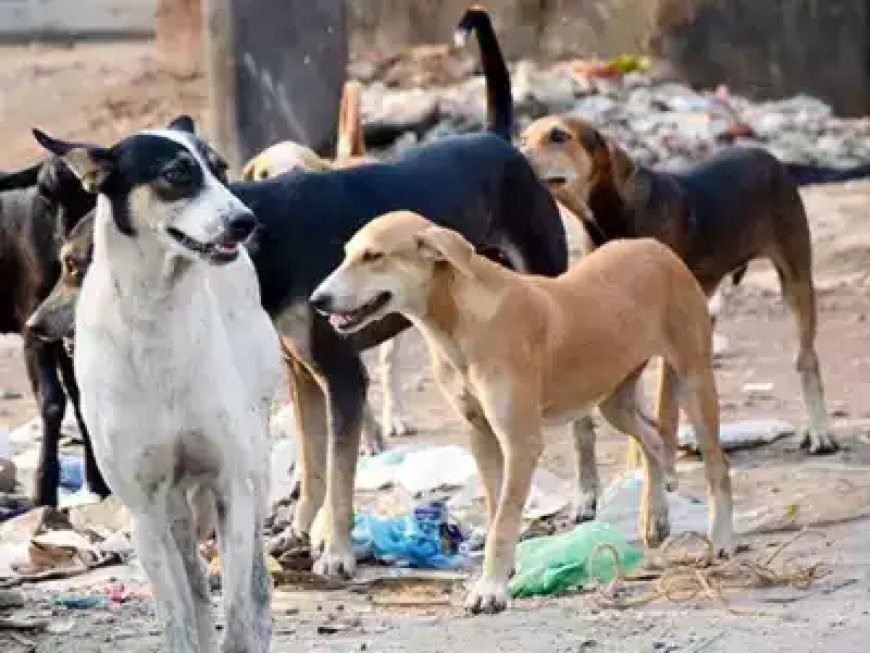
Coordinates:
column 804, row 174
column 499, row 100
column 20, row 178
column 350, row 133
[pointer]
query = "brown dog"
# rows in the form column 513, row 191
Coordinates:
column 739, row 205
column 525, row 350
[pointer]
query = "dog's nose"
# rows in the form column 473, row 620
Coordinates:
column 242, row 225
column 321, row 301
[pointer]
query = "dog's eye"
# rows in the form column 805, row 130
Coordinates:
column 179, row 173
column 70, row 267
column 559, row 135
column 371, row 257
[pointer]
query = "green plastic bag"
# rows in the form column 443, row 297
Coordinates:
column 547, row 565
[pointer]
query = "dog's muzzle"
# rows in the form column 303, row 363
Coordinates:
column 224, row 248
column 347, row 320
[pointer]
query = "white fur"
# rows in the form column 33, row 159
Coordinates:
column 177, row 364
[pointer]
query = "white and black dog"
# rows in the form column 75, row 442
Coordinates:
column 178, row 363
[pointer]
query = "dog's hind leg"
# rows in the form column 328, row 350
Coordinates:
column 309, row 406
column 798, row 292
column 696, row 392
column 586, row 501
column 668, row 417
column 94, row 482
column 41, row 359
column 158, row 532
column 621, row 410
column 394, row 420
column 244, row 577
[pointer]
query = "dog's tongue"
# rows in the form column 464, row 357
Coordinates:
column 339, row 319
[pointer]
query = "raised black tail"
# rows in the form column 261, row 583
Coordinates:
column 20, row 178
column 499, row 101
column 805, row 174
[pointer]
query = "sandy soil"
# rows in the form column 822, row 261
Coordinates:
column 101, row 92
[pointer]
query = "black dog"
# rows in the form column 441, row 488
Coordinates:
column 38, row 207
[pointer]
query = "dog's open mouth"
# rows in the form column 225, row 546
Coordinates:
column 556, row 181
column 222, row 250
column 349, row 320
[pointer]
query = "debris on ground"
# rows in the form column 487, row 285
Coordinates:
column 417, row 468
column 742, row 434
column 657, row 119
column 46, row 543
column 591, row 551
column 426, row 538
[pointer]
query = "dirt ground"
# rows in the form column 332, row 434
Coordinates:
column 101, row 92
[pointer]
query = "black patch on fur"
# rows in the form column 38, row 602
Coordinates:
column 149, row 159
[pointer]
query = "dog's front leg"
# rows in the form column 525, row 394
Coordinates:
column 347, row 382
column 309, row 407
column 41, row 359
column 93, row 477
column 163, row 536
column 514, row 418
column 245, row 579
column 586, row 500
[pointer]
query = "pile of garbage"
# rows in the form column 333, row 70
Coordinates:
column 658, row 120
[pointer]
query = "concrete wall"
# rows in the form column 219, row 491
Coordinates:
column 23, row 19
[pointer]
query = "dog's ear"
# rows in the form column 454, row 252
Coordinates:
column 440, row 244
column 621, row 166
column 183, row 123
column 90, row 163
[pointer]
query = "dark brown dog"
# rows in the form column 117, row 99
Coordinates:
column 739, row 205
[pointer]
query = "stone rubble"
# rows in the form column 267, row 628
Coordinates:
column 659, row 121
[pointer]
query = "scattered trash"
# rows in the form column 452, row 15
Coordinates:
column 71, row 472
column 43, row 543
column 742, row 434
column 7, row 475
column 547, row 497
column 549, row 565
column 79, row 602
column 685, row 569
column 758, row 389
column 620, row 502
column 658, row 121
column 417, row 468
column 10, row 599
column 427, row 538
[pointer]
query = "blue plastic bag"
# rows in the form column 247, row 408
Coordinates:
column 71, row 473
column 423, row 539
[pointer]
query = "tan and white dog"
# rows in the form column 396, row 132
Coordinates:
column 350, row 150
column 524, row 351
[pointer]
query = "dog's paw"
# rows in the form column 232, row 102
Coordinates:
column 654, row 528
column 818, row 445
column 723, row 545
column 336, row 561
column 585, row 505
column 488, row 596
column 398, row 427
